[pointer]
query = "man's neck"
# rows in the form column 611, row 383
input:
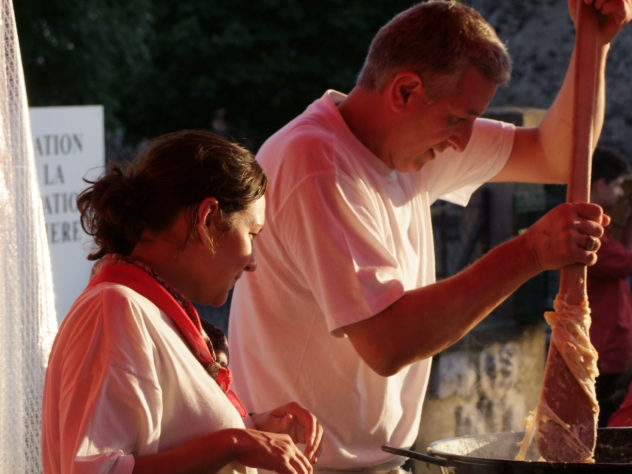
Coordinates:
column 364, row 113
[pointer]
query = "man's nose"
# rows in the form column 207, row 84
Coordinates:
column 461, row 136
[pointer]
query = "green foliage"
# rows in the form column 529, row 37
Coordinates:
column 158, row 66
column 82, row 51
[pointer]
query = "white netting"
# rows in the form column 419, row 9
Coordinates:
column 27, row 309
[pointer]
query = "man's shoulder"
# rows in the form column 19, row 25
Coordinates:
column 309, row 128
column 306, row 143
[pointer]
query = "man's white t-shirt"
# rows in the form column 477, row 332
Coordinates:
column 122, row 382
column 345, row 237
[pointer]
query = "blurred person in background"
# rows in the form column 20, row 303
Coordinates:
column 609, row 285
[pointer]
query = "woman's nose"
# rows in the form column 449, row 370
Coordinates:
column 252, row 264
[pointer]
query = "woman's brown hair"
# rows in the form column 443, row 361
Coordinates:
column 173, row 172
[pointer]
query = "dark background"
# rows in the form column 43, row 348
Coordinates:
column 242, row 68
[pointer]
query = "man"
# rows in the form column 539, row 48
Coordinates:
column 608, row 286
column 344, row 313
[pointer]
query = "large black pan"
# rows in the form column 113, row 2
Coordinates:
column 494, row 454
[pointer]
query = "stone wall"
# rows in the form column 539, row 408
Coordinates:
column 540, row 36
column 485, row 388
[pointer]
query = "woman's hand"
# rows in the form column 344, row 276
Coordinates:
column 296, row 421
column 209, row 453
column 270, row 451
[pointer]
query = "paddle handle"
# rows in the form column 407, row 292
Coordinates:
column 587, row 59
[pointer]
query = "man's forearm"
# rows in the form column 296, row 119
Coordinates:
column 427, row 320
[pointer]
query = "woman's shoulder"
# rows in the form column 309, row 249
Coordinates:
column 108, row 326
column 113, row 299
column 106, row 311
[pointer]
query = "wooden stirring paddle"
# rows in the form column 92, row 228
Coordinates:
column 566, row 417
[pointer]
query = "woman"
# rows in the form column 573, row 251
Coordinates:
column 133, row 382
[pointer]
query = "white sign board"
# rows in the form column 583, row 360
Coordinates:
column 69, row 146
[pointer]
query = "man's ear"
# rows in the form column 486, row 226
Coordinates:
column 405, row 88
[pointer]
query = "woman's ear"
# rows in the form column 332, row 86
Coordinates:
column 207, row 210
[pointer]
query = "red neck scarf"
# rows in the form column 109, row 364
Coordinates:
column 178, row 308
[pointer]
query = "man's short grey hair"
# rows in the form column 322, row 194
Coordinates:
column 438, row 40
